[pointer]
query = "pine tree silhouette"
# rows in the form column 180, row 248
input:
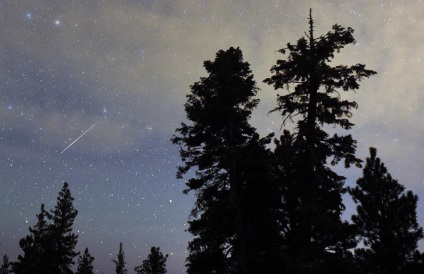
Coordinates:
column 315, row 236
column 85, row 263
column 49, row 248
column 230, row 161
column 154, row 264
column 386, row 221
column 120, row 262
column 63, row 217
column 5, row 267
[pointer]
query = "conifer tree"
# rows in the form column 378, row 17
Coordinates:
column 5, row 267
column 230, row 163
column 49, row 248
column 154, row 264
column 37, row 248
column 120, row 262
column 63, row 217
column 386, row 221
column 316, row 236
column 85, row 263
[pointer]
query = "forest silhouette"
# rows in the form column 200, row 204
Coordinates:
column 267, row 204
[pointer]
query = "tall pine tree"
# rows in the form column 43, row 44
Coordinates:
column 64, row 241
column 316, row 236
column 386, row 221
column 230, row 162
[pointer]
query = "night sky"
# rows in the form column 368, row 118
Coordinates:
column 121, row 70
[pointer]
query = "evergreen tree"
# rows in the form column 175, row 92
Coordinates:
column 63, row 217
column 85, row 263
column 316, row 238
column 5, row 267
column 386, row 221
column 37, row 248
column 49, row 248
column 230, row 162
column 154, row 264
column 120, row 262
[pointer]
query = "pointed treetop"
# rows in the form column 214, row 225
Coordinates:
column 120, row 261
column 311, row 26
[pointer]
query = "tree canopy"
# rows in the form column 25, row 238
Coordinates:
column 222, row 147
column 386, row 220
column 85, row 263
column 313, row 191
column 154, row 264
column 50, row 246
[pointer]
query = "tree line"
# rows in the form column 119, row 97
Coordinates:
column 50, row 246
column 263, row 210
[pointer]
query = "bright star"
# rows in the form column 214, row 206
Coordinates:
column 57, row 22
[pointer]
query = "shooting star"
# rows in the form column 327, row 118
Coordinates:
column 78, row 138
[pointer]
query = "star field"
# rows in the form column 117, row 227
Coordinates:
column 126, row 66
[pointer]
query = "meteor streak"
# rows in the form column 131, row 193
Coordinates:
column 78, row 138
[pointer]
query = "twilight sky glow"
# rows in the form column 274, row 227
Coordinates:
column 126, row 66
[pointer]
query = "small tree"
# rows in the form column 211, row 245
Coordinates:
column 49, row 248
column 85, row 263
column 120, row 261
column 386, row 221
column 5, row 267
column 154, row 264
column 37, row 248
column 63, row 217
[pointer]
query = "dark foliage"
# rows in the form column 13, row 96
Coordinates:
column 386, row 222
column 37, row 247
column 5, row 267
column 64, row 241
column 258, row 211
column 231, row 218
column 154, row 264
column 49, row 248
column 85, row 263
column 120, row 262
column 315, row 236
